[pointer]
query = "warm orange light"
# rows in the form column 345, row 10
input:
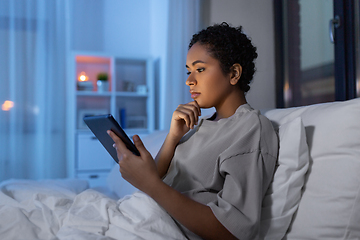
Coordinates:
column 7, row 105
column 287, row 92
column 83, row 77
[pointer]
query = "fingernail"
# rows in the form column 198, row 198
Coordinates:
column 108, row 132
column 114, row 145
column 136, row 138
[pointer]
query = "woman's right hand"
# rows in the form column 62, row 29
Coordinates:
column 184, row 118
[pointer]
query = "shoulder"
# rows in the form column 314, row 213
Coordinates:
column 245, row 115
column 252, row 132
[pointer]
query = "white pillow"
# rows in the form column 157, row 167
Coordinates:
column 120, row 186
column 283, row 197
column 330, row 204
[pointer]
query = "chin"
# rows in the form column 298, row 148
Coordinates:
column 204, row 105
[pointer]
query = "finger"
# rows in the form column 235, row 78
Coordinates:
column 192, row 112
column 140, row 146
column 198, row 107
column 185, row 115
column 120, row 146
column 194, row 106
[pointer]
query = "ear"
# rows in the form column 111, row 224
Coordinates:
column 235, row 74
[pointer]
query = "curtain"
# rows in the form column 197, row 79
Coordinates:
column 183, row 21
column 33, row 47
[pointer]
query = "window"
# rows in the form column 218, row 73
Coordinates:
column 316, row 54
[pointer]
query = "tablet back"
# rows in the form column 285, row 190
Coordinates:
column 100, row 124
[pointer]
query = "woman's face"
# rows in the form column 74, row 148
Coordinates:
column 208, row 84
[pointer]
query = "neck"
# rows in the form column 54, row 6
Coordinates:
column 229, row 106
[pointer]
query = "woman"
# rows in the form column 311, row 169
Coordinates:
column 211, row 175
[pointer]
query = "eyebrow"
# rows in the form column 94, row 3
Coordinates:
column 195, row 62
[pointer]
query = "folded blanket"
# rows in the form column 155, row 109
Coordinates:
column 67, row 210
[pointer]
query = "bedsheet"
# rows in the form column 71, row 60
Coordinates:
column 67, row 209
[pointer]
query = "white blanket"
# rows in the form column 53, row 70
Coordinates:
column 66, row 209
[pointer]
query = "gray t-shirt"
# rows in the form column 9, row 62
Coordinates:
column 227, row 165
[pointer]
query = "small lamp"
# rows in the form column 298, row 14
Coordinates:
column 83, row 83
column 83, row 77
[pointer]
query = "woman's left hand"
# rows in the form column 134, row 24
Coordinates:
column 139, row 171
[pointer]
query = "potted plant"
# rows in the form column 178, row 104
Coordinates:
column 102, row 82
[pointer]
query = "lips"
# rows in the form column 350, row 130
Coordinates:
column 194, row 94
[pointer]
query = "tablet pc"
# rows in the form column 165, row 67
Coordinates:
column 100, row 124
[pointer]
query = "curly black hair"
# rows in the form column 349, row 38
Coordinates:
column 229, row 45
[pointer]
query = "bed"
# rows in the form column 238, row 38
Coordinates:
column 315, row 193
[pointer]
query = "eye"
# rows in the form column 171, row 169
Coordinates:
column 200, row 70
column 188, row 73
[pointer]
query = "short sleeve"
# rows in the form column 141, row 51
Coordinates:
column 238, row 205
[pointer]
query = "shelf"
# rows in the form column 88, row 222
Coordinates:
column 129, row 97
column 108, row 94
column 130, row 94
column 93, row 94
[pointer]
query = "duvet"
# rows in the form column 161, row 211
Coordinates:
column 67, row 209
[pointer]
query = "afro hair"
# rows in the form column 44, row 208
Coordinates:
column 229, row 45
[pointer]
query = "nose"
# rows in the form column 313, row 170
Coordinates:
column 190, row 81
